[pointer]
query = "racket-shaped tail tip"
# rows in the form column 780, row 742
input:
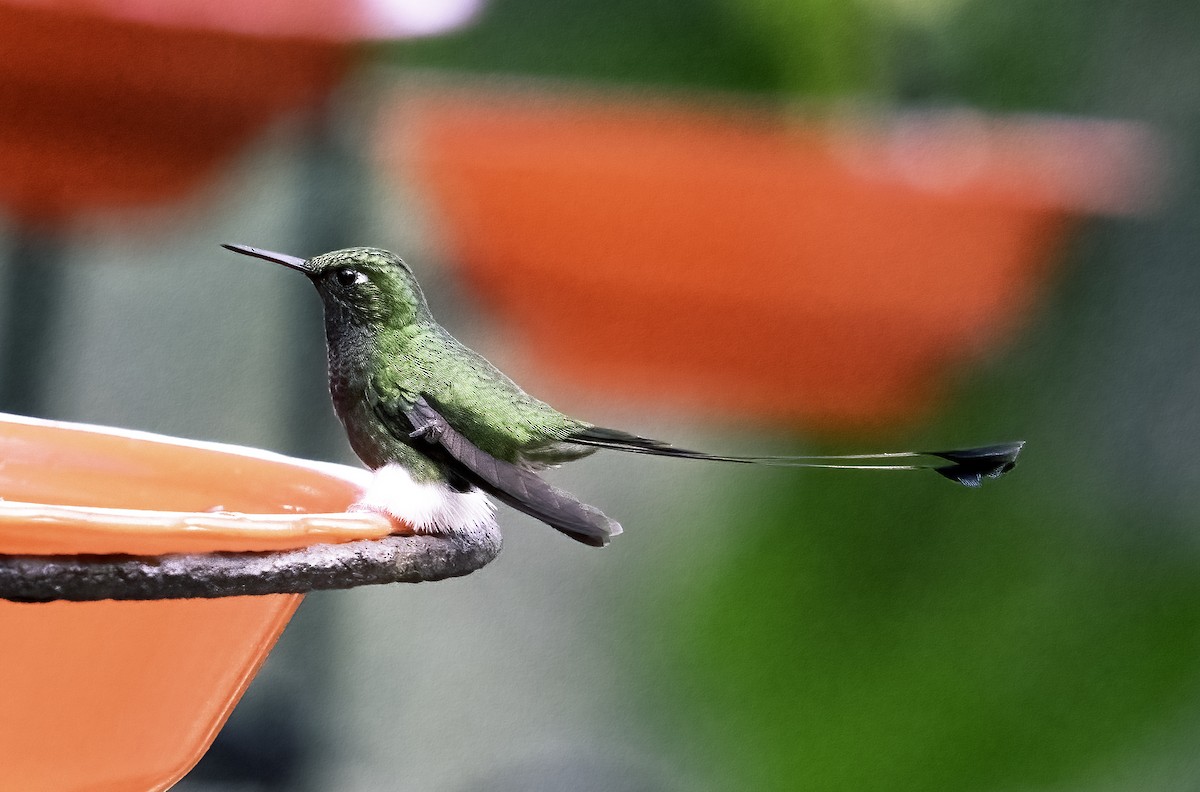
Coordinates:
column 970, row 466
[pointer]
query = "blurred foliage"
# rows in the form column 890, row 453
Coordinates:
column 646, row 42
column 815, row 48
column 1023, row 54
column 894, row 634
column 1020, row 55
column 818, row 48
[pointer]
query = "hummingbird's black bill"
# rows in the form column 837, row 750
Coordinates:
column 279, row 258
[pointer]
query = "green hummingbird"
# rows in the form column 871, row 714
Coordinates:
column 441, row 426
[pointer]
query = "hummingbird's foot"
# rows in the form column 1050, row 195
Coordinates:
column 427, row 424
column 430, row 432
column 428, row 507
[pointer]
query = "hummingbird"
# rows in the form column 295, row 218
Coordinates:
column 443, row 428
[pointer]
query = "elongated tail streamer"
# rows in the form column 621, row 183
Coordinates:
column 967, row 466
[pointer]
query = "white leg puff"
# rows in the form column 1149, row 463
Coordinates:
column 429, row 507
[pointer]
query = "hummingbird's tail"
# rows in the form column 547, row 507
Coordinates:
column 968, row 466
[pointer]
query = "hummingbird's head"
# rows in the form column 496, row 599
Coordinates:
column 362, row 286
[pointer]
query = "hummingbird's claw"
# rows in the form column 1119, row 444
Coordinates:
column 427, row 423
column 430, row 431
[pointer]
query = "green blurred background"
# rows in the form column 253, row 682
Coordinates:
column 754, row 629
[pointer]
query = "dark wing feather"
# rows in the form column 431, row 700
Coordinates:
column 427, row 430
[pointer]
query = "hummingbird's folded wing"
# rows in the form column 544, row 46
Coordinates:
column 423, row 427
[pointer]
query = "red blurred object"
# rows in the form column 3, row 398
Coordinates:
column 740, row 264
column 101, row 112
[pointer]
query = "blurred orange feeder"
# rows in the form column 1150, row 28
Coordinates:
column 101, row 112
column 111, row 103
column 121, row 696
column 743, row 264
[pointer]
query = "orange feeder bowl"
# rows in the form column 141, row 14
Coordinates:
column 102, row 112
column 743, row 263
column 127, row 695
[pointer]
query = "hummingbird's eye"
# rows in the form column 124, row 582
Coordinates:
column 349, row 277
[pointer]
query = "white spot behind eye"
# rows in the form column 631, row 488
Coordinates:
column 360, row 277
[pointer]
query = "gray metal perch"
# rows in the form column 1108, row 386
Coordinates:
column 392, row 559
